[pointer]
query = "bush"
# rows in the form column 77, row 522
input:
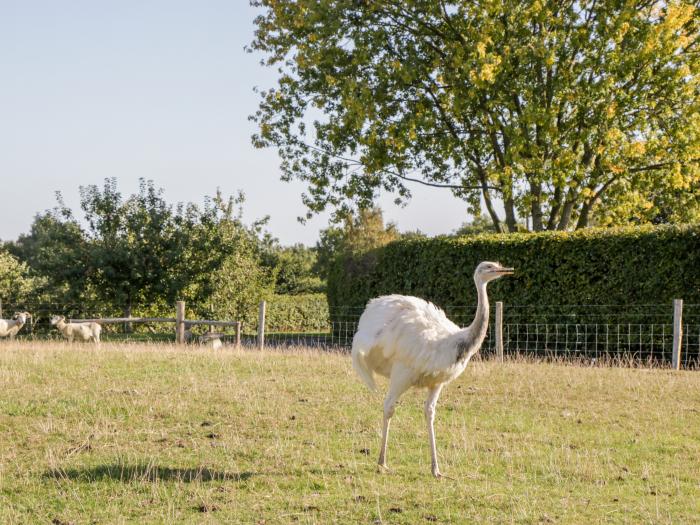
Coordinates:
column 297, row 313
column 623, row 266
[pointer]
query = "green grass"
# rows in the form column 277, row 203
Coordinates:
column 137, row 433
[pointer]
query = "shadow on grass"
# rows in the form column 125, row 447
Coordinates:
column 152, row 473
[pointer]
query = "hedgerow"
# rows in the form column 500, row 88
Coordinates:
column 622, row 266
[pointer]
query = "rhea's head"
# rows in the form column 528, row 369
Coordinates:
column 488, row 271
column 56, row 319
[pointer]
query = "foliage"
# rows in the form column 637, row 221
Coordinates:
column 298, row 313
column 479, row 224
column 359, row 233
column 297, row 270
column 132, row 244
column 56, row 251
column 238, row 286
column 15, row 282
column 573, row 113
column 141, row 250
column 226, row 273
column 640, row 265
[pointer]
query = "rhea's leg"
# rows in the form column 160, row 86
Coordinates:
column 400, row 381
column 430, row 417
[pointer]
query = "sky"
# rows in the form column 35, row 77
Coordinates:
column 152, row 89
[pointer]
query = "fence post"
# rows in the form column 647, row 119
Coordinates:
column 238, row 334
column 677, row 333
column 180, row 322
column 499, row 331
column 261, row 326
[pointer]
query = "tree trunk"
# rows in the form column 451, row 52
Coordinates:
column 536, row 207
column 568, row 210
column 556, row 206
column 510, row 215
column 584, row 216
column 489, row 204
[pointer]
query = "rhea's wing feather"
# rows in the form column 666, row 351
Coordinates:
column 405, row 329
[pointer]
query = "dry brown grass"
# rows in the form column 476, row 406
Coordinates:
column 164, row 434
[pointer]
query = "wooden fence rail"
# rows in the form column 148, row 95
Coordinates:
column 117, row 320
column 181, row 323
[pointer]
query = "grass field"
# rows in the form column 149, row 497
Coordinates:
column 159, row 434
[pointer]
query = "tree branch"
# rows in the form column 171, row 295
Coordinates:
column 400, row 175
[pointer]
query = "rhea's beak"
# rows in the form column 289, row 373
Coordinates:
column 506, row 271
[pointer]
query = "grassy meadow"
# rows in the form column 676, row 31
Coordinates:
column 159, row 434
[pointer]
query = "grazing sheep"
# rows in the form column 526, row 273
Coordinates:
column 83, row 331
column 10, row 327
column 211, row 339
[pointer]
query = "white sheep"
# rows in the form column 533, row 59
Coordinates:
column 211, row 339
column 84, row 331
column 10, row 327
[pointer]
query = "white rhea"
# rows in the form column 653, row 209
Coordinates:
column 413, row 343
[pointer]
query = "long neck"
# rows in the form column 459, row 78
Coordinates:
column 480, row 323
column 468, row 340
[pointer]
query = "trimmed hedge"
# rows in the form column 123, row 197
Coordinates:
column 622, row 266
column 297, row 313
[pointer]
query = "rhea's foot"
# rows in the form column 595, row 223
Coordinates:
column 383, row 468
column 438, row 475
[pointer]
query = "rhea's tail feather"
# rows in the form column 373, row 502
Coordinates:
column 360, row 366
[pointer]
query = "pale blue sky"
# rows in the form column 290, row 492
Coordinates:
column 155, row 89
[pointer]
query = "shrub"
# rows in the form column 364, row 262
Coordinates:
column 297, row 313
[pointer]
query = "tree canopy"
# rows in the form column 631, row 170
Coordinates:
column 142, row 250
column 571, row 113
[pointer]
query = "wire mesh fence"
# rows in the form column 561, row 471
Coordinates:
column 637, row 332
column 335, row 332
column 642, row 333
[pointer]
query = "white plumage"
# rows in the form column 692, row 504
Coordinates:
column 413, row 343
column 406, row 330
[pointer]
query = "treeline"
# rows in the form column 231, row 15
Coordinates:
column 141, row 252
column 138, row 254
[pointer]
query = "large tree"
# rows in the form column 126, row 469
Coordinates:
column 569, row 112
column 132, row 244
